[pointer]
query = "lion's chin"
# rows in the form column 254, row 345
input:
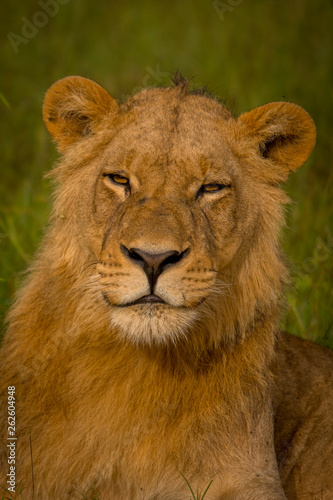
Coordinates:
column 152, row 323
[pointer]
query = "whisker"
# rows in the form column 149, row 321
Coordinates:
column 84, row 267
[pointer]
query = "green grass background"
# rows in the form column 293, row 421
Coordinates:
column 248, row 52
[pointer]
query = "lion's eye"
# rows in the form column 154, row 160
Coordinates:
column 118, row 179
column 212, row 188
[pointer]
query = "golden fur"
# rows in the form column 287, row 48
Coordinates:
column 170, row 198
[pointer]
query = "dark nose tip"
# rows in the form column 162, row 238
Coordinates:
column 154, row 264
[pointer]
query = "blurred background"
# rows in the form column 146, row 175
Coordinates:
column 247, row 52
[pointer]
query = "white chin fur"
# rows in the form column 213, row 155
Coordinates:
column 152, row 324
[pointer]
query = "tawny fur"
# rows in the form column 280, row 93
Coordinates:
column 122, row 397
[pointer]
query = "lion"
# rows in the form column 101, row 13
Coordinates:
column 143, row 352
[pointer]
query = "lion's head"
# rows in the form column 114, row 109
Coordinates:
column 168, row 209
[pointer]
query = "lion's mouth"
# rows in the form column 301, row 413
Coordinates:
column 148, row 299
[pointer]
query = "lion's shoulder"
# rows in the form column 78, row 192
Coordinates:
column 303, row 409
column 295, row 353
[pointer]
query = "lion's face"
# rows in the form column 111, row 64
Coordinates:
column 172, row 200
column 164, row 203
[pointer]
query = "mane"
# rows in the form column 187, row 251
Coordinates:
column 185, row 85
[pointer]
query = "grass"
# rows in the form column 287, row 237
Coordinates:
column 198, row 495
column 259, row 52
column 89, row 497
column 8, row 495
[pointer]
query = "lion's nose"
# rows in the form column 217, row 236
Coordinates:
column 154, row 264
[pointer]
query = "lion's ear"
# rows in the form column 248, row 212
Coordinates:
column 73, row 107
column 285, row 134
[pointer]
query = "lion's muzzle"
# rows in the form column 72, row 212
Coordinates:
column 154, row 264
